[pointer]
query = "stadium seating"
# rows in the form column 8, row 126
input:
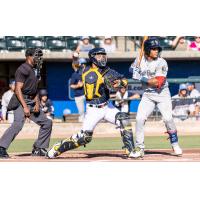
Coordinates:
column 55, row 43
column 96, row 41
column 165, row 43
column 62, row 43
column 15, row 43
column 34, row 42
column 72, row 42
column 190, row 38
column 2, row 44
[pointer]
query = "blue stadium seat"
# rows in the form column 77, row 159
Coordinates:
column 165, row 43
column 35, row 42
column 55, row 43
column 15, row 43
column 2, row 43
column 72, row 42
column 96, row 41
column 171, row 38
column 190, row 38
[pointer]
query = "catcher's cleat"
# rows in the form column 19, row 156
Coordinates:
column 137, row 153
column 53, row 152
column 177, row 150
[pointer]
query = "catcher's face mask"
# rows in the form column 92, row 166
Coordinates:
column 38, row 58
column 101, row 59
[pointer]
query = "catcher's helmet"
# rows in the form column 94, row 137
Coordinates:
column 98, row 51
column 43, row 92
column 150, row 44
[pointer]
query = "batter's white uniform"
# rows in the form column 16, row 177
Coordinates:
column 153, row 97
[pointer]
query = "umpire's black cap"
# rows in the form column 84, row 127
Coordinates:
column 30, row 52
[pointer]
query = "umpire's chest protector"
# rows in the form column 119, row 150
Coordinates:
column 92, row 80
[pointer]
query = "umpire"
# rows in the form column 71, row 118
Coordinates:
column 25, row 103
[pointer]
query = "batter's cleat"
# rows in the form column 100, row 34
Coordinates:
column 39, row 152
column 137, row 153
column 3, row 153
column 53, row 152
column 177, row 150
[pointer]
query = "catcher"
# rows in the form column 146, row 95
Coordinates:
column 98, row 80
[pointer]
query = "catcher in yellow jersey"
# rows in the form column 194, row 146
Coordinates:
column 98, row 79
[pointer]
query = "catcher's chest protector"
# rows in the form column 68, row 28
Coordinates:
column 92, row 80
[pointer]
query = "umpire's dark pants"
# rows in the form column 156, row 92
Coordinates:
column 19, row 119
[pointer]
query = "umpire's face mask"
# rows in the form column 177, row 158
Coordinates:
column 101, row 59
column 38, row 58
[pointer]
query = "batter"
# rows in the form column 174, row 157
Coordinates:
column 152, row 73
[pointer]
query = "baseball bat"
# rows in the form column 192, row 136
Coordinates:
column 142, row 51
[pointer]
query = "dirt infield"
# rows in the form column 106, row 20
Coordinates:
column 164, row 155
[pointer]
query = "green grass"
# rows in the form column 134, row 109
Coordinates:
column 151, row 142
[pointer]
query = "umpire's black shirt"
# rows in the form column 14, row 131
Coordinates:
column 27, row 75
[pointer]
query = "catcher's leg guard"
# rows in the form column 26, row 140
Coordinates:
column 76, row 140
column 122, row 119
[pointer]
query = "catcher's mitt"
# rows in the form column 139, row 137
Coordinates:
column 114, row 81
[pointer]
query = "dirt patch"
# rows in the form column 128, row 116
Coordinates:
column 162, row 155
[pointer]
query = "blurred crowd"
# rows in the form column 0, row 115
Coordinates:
column 112, row 44
column 128, row 43
column 181, row 43
column 186, row 104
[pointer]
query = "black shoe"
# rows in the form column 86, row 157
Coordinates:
column 3, row 153
column 39, row 152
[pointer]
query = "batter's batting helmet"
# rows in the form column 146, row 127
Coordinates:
column 151, row 43
column 93, row 52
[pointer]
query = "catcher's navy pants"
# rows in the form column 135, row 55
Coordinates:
column 44, row 133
